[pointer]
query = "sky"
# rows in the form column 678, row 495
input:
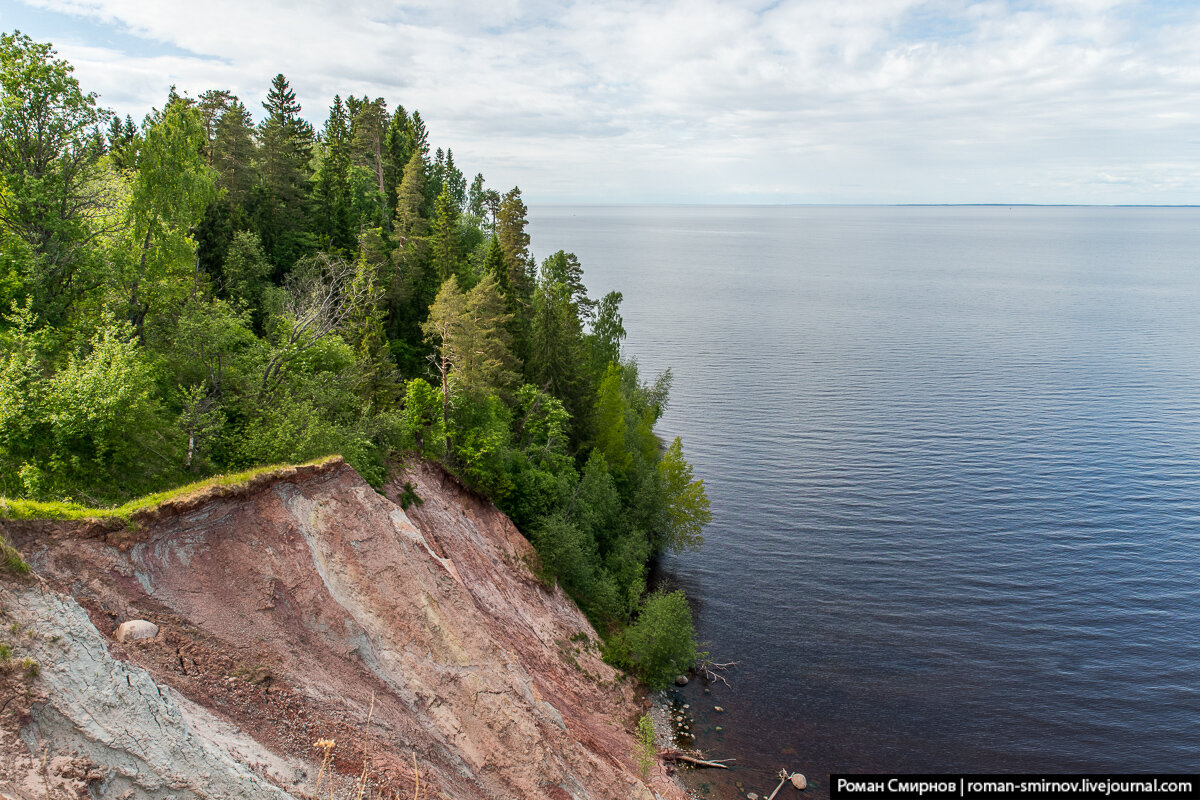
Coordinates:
column 704, row 101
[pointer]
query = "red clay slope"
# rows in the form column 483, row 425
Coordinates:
column 292, row 609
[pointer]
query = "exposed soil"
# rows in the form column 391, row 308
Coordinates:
column 294, row 609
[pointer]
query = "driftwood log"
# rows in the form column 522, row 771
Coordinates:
column 675, row 755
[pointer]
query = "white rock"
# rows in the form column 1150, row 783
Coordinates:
column 799, row 781
column 135, row 629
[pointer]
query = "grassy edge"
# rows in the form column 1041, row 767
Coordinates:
column 37, row 509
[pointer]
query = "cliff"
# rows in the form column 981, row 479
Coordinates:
column 301, row 607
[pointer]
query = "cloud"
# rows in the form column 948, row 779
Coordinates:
column 716, row 100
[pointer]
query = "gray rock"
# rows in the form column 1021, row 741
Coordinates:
column 799, row 781
column 681, row 680
column 114, row 715
column 133, row 629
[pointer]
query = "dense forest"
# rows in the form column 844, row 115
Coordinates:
column 199, row 293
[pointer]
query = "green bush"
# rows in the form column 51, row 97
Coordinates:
column 660, row 644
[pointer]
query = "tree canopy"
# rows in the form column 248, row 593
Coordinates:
column 199, row 293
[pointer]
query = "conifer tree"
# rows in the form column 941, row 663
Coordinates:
column 397, row 150
column 453, row 179
column 475, row 196
column 334, row 218
column 514, row 241
column 368, row 130
column 447, row 257
column 282, row 211
column 233, row 157
column 212, row 104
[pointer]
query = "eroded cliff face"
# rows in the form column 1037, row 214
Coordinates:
column 299, row 609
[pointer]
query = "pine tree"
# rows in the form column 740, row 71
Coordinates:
column 212, row 104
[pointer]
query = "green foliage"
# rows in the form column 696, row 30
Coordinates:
column 171, row 188
column 409, row 497
column 661, row 643
column 422, row 424
column 11, row 560
column 64, row 509
column 479, row 434
column 79, row 426
column 281, row 202
column 608, row 330
column 201, row 295
column 644, row 751
column 685, row 505
column 335, row 213
column 48, row 200
column 611, row 422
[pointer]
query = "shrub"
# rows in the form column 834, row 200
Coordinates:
column 661, row 643
column 644, row 751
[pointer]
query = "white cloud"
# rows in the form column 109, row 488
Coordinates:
column 695, row 100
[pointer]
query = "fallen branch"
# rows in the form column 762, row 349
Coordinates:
column 711, row 670
column 675, row 755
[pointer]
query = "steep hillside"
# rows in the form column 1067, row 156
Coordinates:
column 299, row 608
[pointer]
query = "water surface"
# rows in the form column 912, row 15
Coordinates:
column 954, row 462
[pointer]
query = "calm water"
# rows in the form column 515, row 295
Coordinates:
column 954, row 461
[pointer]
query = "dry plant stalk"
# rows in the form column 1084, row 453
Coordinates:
column 362, row 779
column 46, row 769
column 326, row 764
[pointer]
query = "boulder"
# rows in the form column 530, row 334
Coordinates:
column 133, row 629
column 799, row 781
column 681, row 680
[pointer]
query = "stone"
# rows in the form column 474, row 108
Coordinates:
column 799, row 781
column 752, row 796
column 133, row 629
column 717, row 708
column 681, row 680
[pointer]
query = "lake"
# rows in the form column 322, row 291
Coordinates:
column 953, row 455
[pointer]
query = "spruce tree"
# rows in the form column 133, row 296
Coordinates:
column 282, row 207
column 334, row 218
column 397, row 150
column 447, row 256
column 233, row 157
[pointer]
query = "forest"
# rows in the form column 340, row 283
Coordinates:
column 198, row 293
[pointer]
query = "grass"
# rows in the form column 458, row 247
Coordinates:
column 38, row 509
column 11, row 560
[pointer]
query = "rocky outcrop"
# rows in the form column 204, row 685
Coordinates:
column 309, row 607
